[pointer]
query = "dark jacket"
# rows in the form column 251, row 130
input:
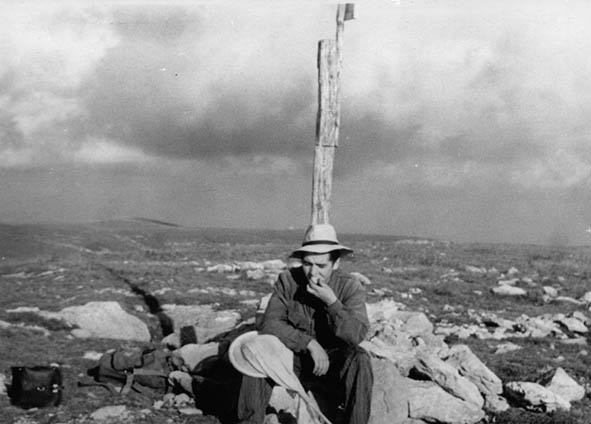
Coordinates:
column 296, row 317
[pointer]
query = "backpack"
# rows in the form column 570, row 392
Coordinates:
column 142, row 369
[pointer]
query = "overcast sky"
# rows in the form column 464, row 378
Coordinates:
column 462, row 120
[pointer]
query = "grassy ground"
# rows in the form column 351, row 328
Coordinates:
column 54, row 266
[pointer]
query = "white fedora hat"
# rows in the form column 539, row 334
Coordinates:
column 255, row 354
column 320, row 238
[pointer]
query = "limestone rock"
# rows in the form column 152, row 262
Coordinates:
column 469, row 366
column 203, row 316
column 104, row 320
column 506, row 347
column 565, row 386
column 506, row 290
column 535, row 396
column 572, row 324
column 429, row 402
column 389, row 398
column 448, row 378
column 108, row 413
column 586, row 298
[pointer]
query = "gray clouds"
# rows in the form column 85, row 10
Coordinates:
column 449, row 111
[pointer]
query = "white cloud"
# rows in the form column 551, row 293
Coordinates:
column 36, row 111
column 107, row 152
column 560, row 169
column 52, row 45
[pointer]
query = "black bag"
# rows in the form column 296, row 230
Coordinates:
column 36, row 387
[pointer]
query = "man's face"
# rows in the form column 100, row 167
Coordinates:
column 318, row 267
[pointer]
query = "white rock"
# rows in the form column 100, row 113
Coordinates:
column 586, row 298
column 430, row 403
column 110, row 412
column 565, row 386
column 448, row 377
column 506, row 347
column 276, row 265
column 3, row 382
column 535, row 396
column 510, row 282
column 190, row 411
column 103, row 320
column 203, row 316
column 572, row 324
column 475, row 270
column 512, row 271
column 92, row 355
column 550, row 291
column 506, row 290
column 469, row 366
column 255, row 274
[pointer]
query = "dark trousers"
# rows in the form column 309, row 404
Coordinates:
column 347, row 384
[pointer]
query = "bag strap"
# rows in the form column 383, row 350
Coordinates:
column 129, row 377
column 86, row 382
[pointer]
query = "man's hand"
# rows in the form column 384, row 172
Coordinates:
column 322, row 291
column 318, row 354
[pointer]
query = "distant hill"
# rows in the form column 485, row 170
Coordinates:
column 137, row 235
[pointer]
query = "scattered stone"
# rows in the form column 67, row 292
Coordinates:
column 586, row 298
column 581, row 317
column 550, row 291
column 569, row 300
column 255, row 274
column 506, row 347
column 182, row 399
column 3, row 383
column 510, row 282
column 506, row 290
column 512, row 271
column 572, row 324
column 190, row 411
column 109, row 412
column 92, row 355
column 475, row 270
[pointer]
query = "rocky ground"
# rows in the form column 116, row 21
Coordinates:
column 522, row 311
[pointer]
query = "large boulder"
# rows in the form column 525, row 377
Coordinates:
column 103, row 320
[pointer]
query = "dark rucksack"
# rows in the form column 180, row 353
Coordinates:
column 140, row 369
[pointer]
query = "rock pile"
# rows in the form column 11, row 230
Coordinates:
column 489, row 326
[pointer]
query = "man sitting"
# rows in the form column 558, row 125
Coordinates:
column 318, row 312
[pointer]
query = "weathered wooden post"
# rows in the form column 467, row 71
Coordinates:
column 328, row 118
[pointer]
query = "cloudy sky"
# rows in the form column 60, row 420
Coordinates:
column 463, row 120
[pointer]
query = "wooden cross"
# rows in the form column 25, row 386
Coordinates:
column 328, row 118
